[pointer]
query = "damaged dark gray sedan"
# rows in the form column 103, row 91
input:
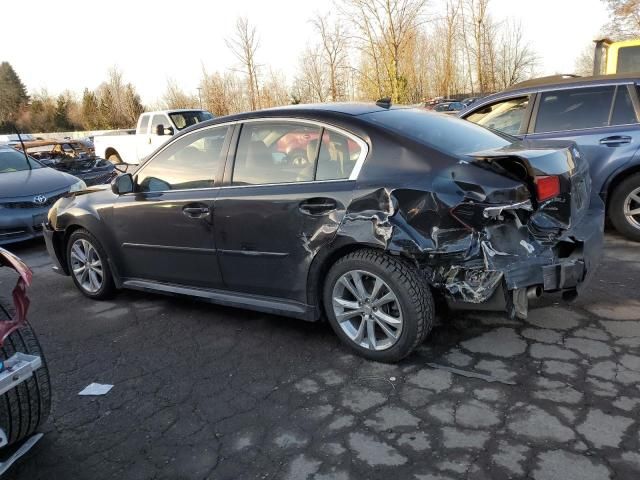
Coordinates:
column 368, row 215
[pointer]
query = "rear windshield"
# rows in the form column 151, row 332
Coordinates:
column 629, row 59
column 447, row 134
column 186, row 119
column 14, row 161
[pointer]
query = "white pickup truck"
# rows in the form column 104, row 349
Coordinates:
column 153, row 129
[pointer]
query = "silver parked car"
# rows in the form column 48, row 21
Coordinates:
column 27, row 191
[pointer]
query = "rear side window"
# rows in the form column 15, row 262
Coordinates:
column 442, row 132
column 337, row 157
column 144, row 123
column 505, row 116
column 275, row 152
column 574, row 109
column 623, row 112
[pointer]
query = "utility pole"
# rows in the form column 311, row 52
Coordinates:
column 200, row 96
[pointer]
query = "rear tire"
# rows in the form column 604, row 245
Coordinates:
column 626, row 195
column 88, row 286
column 412, row 304
column 26, row 407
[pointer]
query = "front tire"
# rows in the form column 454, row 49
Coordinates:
column 624, row 208
column 26, row 407
column 378, row 305
column 88, row 266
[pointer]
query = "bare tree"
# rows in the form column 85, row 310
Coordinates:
column 625, row 19
column 333, row 42
column 584, row 62
column 515, row 58
column 386, row 28
column 311, row 84
column 244, row 46
column 175, row 97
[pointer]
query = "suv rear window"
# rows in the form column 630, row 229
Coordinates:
column 447, row 134
column 573, row 109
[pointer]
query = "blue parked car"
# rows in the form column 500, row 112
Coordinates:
column 599, row 113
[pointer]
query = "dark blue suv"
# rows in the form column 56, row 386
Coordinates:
column 599, row 113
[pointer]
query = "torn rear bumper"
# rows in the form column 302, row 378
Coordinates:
column 513, row 261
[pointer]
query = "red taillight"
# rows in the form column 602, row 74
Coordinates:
column 547, row 187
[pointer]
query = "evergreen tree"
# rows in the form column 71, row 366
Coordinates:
column 13, row 94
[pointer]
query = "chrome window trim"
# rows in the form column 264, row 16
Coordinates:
column 364, row 150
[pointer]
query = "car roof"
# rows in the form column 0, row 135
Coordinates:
column 345, row 108
column 572, row 80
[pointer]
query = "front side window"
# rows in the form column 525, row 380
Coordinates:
column 158, row 120
column 505, row 116
column 274, row 152
column 189, row 163
column 574, row 109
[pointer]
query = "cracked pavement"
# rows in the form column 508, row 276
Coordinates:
column 203, row 391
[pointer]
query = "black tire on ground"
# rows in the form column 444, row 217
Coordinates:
column 411, row 289
column 114, row 158
column 107, row 289
column 616, row 208
column 26, row 407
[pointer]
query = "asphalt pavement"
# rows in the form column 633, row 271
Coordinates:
column 202, row 391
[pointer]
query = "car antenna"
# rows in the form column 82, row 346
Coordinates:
column 24, row 150
column 384, row 102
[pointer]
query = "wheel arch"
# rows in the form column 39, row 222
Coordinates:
column 111, row 151
column 617, row 179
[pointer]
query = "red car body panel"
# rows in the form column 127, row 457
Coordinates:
column 20, row 299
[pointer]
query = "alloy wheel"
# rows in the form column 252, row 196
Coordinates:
column 86, row 265
column 632, row 208
column 367, row 310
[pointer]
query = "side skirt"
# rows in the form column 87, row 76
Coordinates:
column 231, row 299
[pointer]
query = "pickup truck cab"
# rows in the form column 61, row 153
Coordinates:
column 153, row 130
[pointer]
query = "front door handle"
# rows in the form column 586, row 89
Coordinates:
column 318, row 206
column 196, row 211
column 615, row 141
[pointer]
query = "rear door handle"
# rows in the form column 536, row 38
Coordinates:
column 196, row 211
column 318, row 206
column 615, row 140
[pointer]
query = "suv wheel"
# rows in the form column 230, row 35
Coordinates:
column 624, row 208
column 88, row 265
column 378, row 305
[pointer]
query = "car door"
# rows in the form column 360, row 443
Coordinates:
column 275, row 212
column 165, row 229
column 602, row 120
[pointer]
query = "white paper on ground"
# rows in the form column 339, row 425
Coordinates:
column 96, row 389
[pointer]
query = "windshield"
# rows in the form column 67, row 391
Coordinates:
column 185, row 119
column 14, row 161
column 442, row 132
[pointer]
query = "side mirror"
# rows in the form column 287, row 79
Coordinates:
column 162, row 130
column 122, row 184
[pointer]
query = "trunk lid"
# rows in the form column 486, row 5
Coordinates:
column 529, row 161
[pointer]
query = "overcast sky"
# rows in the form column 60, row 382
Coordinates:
column 66, row 44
